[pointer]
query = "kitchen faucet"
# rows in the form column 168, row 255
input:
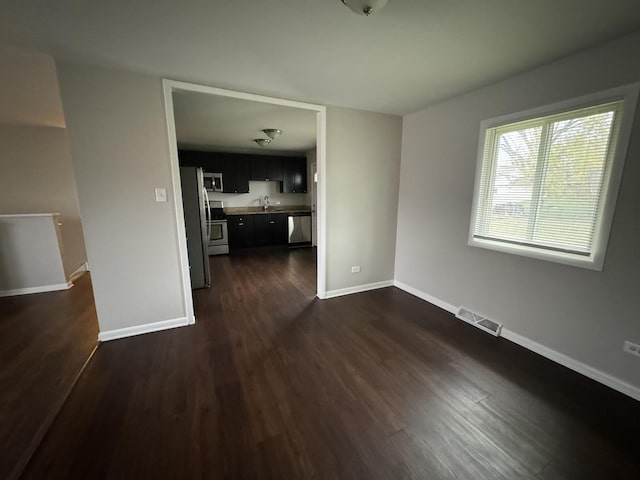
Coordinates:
column 265, row 202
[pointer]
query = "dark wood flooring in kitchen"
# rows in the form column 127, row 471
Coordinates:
column 45, row 339
column 273, row 383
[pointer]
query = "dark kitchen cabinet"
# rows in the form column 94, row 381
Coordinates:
column 235, row 174
column 241, row 231
column 266, row 168
column 261, row 229
column 294, row 175
column 274, row 169
column 257, row 230
column 279, row 232
column 212, row 162
column 189, row 158
column 237, row 169
column 258, row 168
column 270, row 229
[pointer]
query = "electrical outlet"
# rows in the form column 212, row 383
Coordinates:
column 355, row 269
column 632, row 348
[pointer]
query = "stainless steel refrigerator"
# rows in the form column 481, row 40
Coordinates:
column 196, row 221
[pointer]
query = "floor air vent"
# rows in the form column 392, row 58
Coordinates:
column 479, row 321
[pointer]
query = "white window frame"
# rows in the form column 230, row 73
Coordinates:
column 595, row 261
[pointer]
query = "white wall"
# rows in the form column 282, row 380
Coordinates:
column 257, row 191
column 119, row 146
column 120, row 151
column 36, row 172
column 30, row 254
column 363, row 161
column 36, row 176
column 581, row 313
column 29, row 93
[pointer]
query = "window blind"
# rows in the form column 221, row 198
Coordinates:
column 543, row 180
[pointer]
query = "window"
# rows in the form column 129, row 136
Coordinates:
column 547, row 179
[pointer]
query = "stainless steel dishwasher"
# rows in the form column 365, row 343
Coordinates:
column 299, row 228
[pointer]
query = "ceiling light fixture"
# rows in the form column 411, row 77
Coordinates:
column 365, row 7
column 272, row 133
column 262, row 141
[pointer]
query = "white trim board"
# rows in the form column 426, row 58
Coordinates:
column 586, row 370
column 557, row 357
column 426, row 297
column 18, row 215
column 170, row 86
column 41, row 289
column 183, row 257
column 81, row 270
column 140, row 329
column 358, row 288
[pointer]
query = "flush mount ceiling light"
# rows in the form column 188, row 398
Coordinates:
column 272, row 133
column 262, row 141
column 365, row 7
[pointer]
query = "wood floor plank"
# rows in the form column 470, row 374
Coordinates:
column 45, row 339
column 272, row 383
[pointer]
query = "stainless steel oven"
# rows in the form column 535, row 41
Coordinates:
column 218, row 237
column 218, row 243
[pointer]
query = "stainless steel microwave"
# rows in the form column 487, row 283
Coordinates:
column 213, row 182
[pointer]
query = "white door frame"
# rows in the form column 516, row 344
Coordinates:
column 170, row 86
column 314, row 204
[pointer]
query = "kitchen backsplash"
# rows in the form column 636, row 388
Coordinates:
column 257, row 191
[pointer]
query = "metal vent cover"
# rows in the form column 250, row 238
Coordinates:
column 477, row 320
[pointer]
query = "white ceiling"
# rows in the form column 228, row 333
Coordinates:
column 229, row 124
column 410, row 54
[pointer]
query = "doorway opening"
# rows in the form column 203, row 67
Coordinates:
column 265, row 194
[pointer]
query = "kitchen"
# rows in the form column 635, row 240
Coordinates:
column 247, row 188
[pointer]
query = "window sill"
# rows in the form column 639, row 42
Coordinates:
column 595, row 261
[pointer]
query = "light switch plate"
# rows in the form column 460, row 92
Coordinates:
column 161, row 195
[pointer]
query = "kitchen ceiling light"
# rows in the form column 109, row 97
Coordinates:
column 365, row 7
column 272, row 133
column 262, row 141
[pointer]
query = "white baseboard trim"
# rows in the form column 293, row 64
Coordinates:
column 41, row 289
column 81, row 270
column 575, row 365
column 140, row 329
column 426, row 297
column 357, row 289
column 557, row 357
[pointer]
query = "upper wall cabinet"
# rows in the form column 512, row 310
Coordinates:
column 235, row 174
column 294, row 173
column 274, row 169
column 266, row 168
column 235, row 169
column 189, row 158
column 212, row 162
column 238, row 169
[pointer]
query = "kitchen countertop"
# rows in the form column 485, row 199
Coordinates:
column 271, row 209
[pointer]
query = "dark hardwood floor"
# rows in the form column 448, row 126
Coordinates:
column 273, row 383
column 45, row 339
